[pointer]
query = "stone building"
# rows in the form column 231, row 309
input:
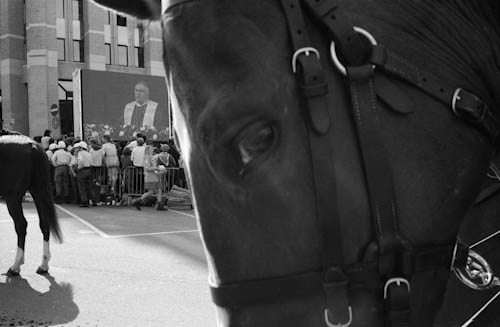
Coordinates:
column 42, row 42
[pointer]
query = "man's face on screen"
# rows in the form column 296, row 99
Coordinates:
column 141, row 93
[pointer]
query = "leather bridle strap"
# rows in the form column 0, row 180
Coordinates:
column 466, row 105
column 330, row 12
column 381, row 193
column 310, row 76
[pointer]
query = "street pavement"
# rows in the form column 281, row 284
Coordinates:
column 116, row 267
column 121, row 267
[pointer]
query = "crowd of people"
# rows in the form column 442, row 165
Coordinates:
column 79, row 166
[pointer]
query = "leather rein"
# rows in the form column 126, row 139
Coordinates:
column 390, row 261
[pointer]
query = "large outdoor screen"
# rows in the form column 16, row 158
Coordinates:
column 121, row 105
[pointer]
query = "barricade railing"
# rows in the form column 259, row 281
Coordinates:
column 130, row 181
column 133, row 180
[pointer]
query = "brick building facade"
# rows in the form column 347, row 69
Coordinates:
column 42, row 42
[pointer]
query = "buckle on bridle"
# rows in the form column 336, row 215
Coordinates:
column 330, row 324
column 398, row 281
column 306, row 51
column 475, row 111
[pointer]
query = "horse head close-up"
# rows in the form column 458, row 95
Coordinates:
column 333, row 149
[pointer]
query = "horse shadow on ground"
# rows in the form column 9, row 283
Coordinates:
column 21, row 305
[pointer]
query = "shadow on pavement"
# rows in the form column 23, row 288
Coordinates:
column 21, row 305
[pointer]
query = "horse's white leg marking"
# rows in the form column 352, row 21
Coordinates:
column 18, row 261
column 46, row 256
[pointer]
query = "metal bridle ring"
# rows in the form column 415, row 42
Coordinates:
column 333, row 52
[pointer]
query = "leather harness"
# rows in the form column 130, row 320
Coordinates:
column 390, row 261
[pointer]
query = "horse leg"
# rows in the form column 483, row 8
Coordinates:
column 14, row 205
column 44, row 266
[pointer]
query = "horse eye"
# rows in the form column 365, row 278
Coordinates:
column 255, row 142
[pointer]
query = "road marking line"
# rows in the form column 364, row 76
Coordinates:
column 89, row 225
column 104, row 235
column 182, row 213
column 157, row 233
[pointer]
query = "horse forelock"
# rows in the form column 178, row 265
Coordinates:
column 16, row 139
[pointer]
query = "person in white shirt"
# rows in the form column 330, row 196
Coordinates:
column 45, row 140
column 137, row 155
column 61, row 160
column 137, row 158
column 111, row 162
column 84, row 174
column 50, row 152
column 98, row 170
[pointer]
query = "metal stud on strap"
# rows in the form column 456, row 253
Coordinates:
column 330, row 324
column 300, row 51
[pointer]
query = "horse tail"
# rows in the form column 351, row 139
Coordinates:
column 42, row 194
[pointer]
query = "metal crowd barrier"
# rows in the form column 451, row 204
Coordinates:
column 132, row 180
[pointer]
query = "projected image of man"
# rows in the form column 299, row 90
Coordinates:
column 143, row 112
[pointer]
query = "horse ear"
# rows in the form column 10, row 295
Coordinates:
column 142, row 9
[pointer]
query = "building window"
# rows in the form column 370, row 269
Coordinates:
column 60, row 8
column 77, row 24
column 139, row 46
column 139, row 57
column 78, row 54
column 109, row 18
column 121, row 20
column 77, row 10
column 122, row 55
column 107, row 51
column 61, row 52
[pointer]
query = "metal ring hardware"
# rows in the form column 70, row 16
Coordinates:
column 330, row 324
column 333, row 52
column 300, row 51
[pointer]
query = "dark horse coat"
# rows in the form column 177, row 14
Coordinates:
column 24, row 167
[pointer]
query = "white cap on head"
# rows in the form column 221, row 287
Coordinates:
column 52, row 146
column 83, row 145
column 61, row 145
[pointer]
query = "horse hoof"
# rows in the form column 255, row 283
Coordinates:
column 12, row 273
column 41, row 271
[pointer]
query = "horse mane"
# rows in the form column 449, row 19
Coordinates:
column 459, row 40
